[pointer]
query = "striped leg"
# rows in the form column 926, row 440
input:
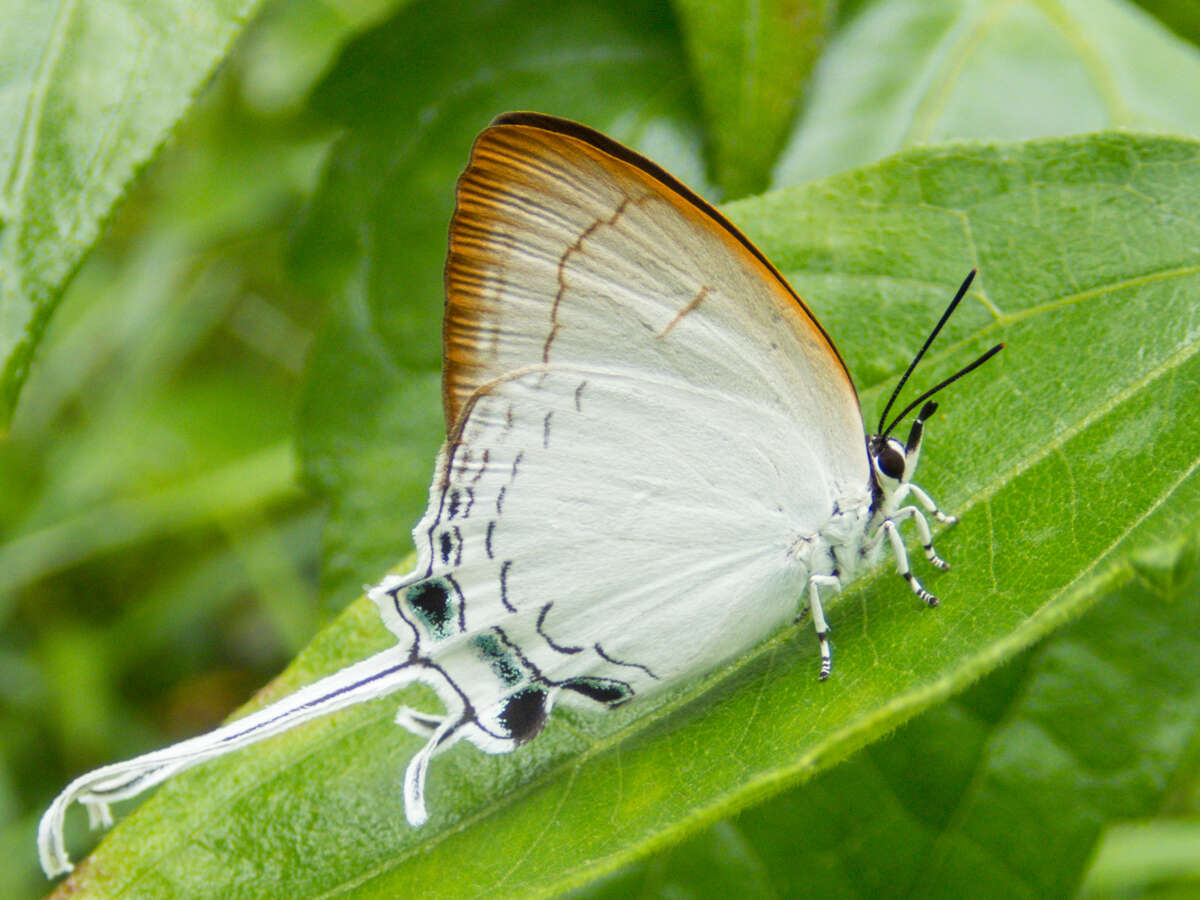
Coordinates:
column 889, row 528
column 815, row 583
column 932, row 508
column 911, row 512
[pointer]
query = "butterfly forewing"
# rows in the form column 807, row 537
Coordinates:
column 566, row 249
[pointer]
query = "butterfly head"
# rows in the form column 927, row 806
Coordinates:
column 893, row 463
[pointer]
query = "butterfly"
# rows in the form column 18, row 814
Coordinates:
column 655, row 458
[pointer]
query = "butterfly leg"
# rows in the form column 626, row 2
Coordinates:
column 815, row 583
column 911, row 512
column 932, row 508
column 893, row 533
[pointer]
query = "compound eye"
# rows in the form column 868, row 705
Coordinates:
column 890, row 461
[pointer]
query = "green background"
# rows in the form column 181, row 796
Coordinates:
column 220, row 265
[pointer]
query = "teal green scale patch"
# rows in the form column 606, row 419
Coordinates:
column 496, row 655
column 431, row 603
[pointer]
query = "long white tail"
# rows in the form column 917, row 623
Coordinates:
column 381, row 674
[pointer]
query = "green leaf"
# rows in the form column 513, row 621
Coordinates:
column 376, row 236
column 905, row 73
column 91, row 89
column 750, row 61
column 1137, row 857
column 1007, row 786
column 1088, row 270
column 1182, row 18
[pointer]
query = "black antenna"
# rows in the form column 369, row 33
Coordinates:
column 933, row 390
column 929, row 340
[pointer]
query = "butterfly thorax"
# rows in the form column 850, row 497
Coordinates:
column 835, row 548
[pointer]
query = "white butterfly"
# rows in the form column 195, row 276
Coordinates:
column 655, row 458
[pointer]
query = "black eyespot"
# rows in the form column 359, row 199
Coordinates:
column 602, row 690
column 430, row 600
column 524, row 714
column 890, row 462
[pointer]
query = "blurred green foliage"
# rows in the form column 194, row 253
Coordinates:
column 203, row 466
column 158, row 554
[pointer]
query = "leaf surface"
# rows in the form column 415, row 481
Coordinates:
column 1087, row 249
column 749, row 61
column 1008, row 785
column 908, row 72
column 90, row 90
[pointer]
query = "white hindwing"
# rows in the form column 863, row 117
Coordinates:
column 607, row 533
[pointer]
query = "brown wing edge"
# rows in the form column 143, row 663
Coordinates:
column 605, row 144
